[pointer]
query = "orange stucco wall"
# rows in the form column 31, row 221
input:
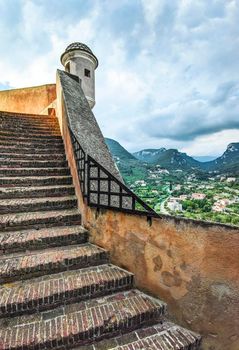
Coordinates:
column 193, row 266
column 28, row 100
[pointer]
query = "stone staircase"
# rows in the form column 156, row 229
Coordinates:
column 57, row 290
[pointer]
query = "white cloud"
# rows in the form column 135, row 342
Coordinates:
column 152, row 10
column 165, row 70
column 214, row 144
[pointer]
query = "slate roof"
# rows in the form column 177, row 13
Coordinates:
column 79, row 46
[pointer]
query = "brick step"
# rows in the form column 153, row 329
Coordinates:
column 26, row 125
column 27, row 117
column 40, row 219
column 21, row 266
column 23, row 114
column 32, row 139
column 21, row 205
column 28, row 133
column 21, row 163
column 11, row 126
column 36, row 192
column 80, row 323
column 13, row 123
column 35, row 181
column 162, row 336
column 19, row 123
column 33, row 144
column 33, row 239
column 31, row 149
column 8, row 172
column 67, row 287
column 6, row 155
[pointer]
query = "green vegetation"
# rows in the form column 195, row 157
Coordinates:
column 198, row 194
column 197, row 206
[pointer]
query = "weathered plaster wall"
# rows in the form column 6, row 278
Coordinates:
column 194, row 267
column 28, row 100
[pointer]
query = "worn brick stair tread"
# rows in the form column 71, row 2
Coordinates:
column 35, row 180
column 10, row 125
column 81, row 323
column 25, row 265
column 25, row 115
column 6, row 155
column 18, row 125
column 31, row 138
column 24, row 127
column 50, row 291
column 36, row 204
column 24, row 163
column 36, row 219
column 21, row 240
column 23, row 142
column 162, row 336
column 15, row 120
column 29, row 148
column 30, row 134
column 37, row 191
column 34, row 171
column 41, row 148
column 29, row 118
column 32, row 144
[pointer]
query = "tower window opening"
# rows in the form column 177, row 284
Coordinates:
column 87, row 73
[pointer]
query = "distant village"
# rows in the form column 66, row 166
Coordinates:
column 213, row 199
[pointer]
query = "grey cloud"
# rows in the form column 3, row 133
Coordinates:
column 193, row 118
column 225, row 91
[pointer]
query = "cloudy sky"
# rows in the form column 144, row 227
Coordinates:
column 168, row 72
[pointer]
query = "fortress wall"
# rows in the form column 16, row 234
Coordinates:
column 193, row 266
column 28, row 100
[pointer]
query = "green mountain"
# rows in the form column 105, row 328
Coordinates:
column 167, row 158
column 227, row 163
column 130, row 168
column 150, row 155
column 138, row 163
column 118, row 151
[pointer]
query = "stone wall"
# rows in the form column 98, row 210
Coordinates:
column 82, row 121
column 28, row 100
column 193, row 266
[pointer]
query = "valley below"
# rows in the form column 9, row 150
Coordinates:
column 173, row 183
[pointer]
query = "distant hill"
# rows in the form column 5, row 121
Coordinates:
column 172, row 159
column 130, row 167
column 228, row 162
column 149, row 155
column 167, row 158
column 118, row 151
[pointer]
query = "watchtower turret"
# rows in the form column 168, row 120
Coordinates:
column 78, row 59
